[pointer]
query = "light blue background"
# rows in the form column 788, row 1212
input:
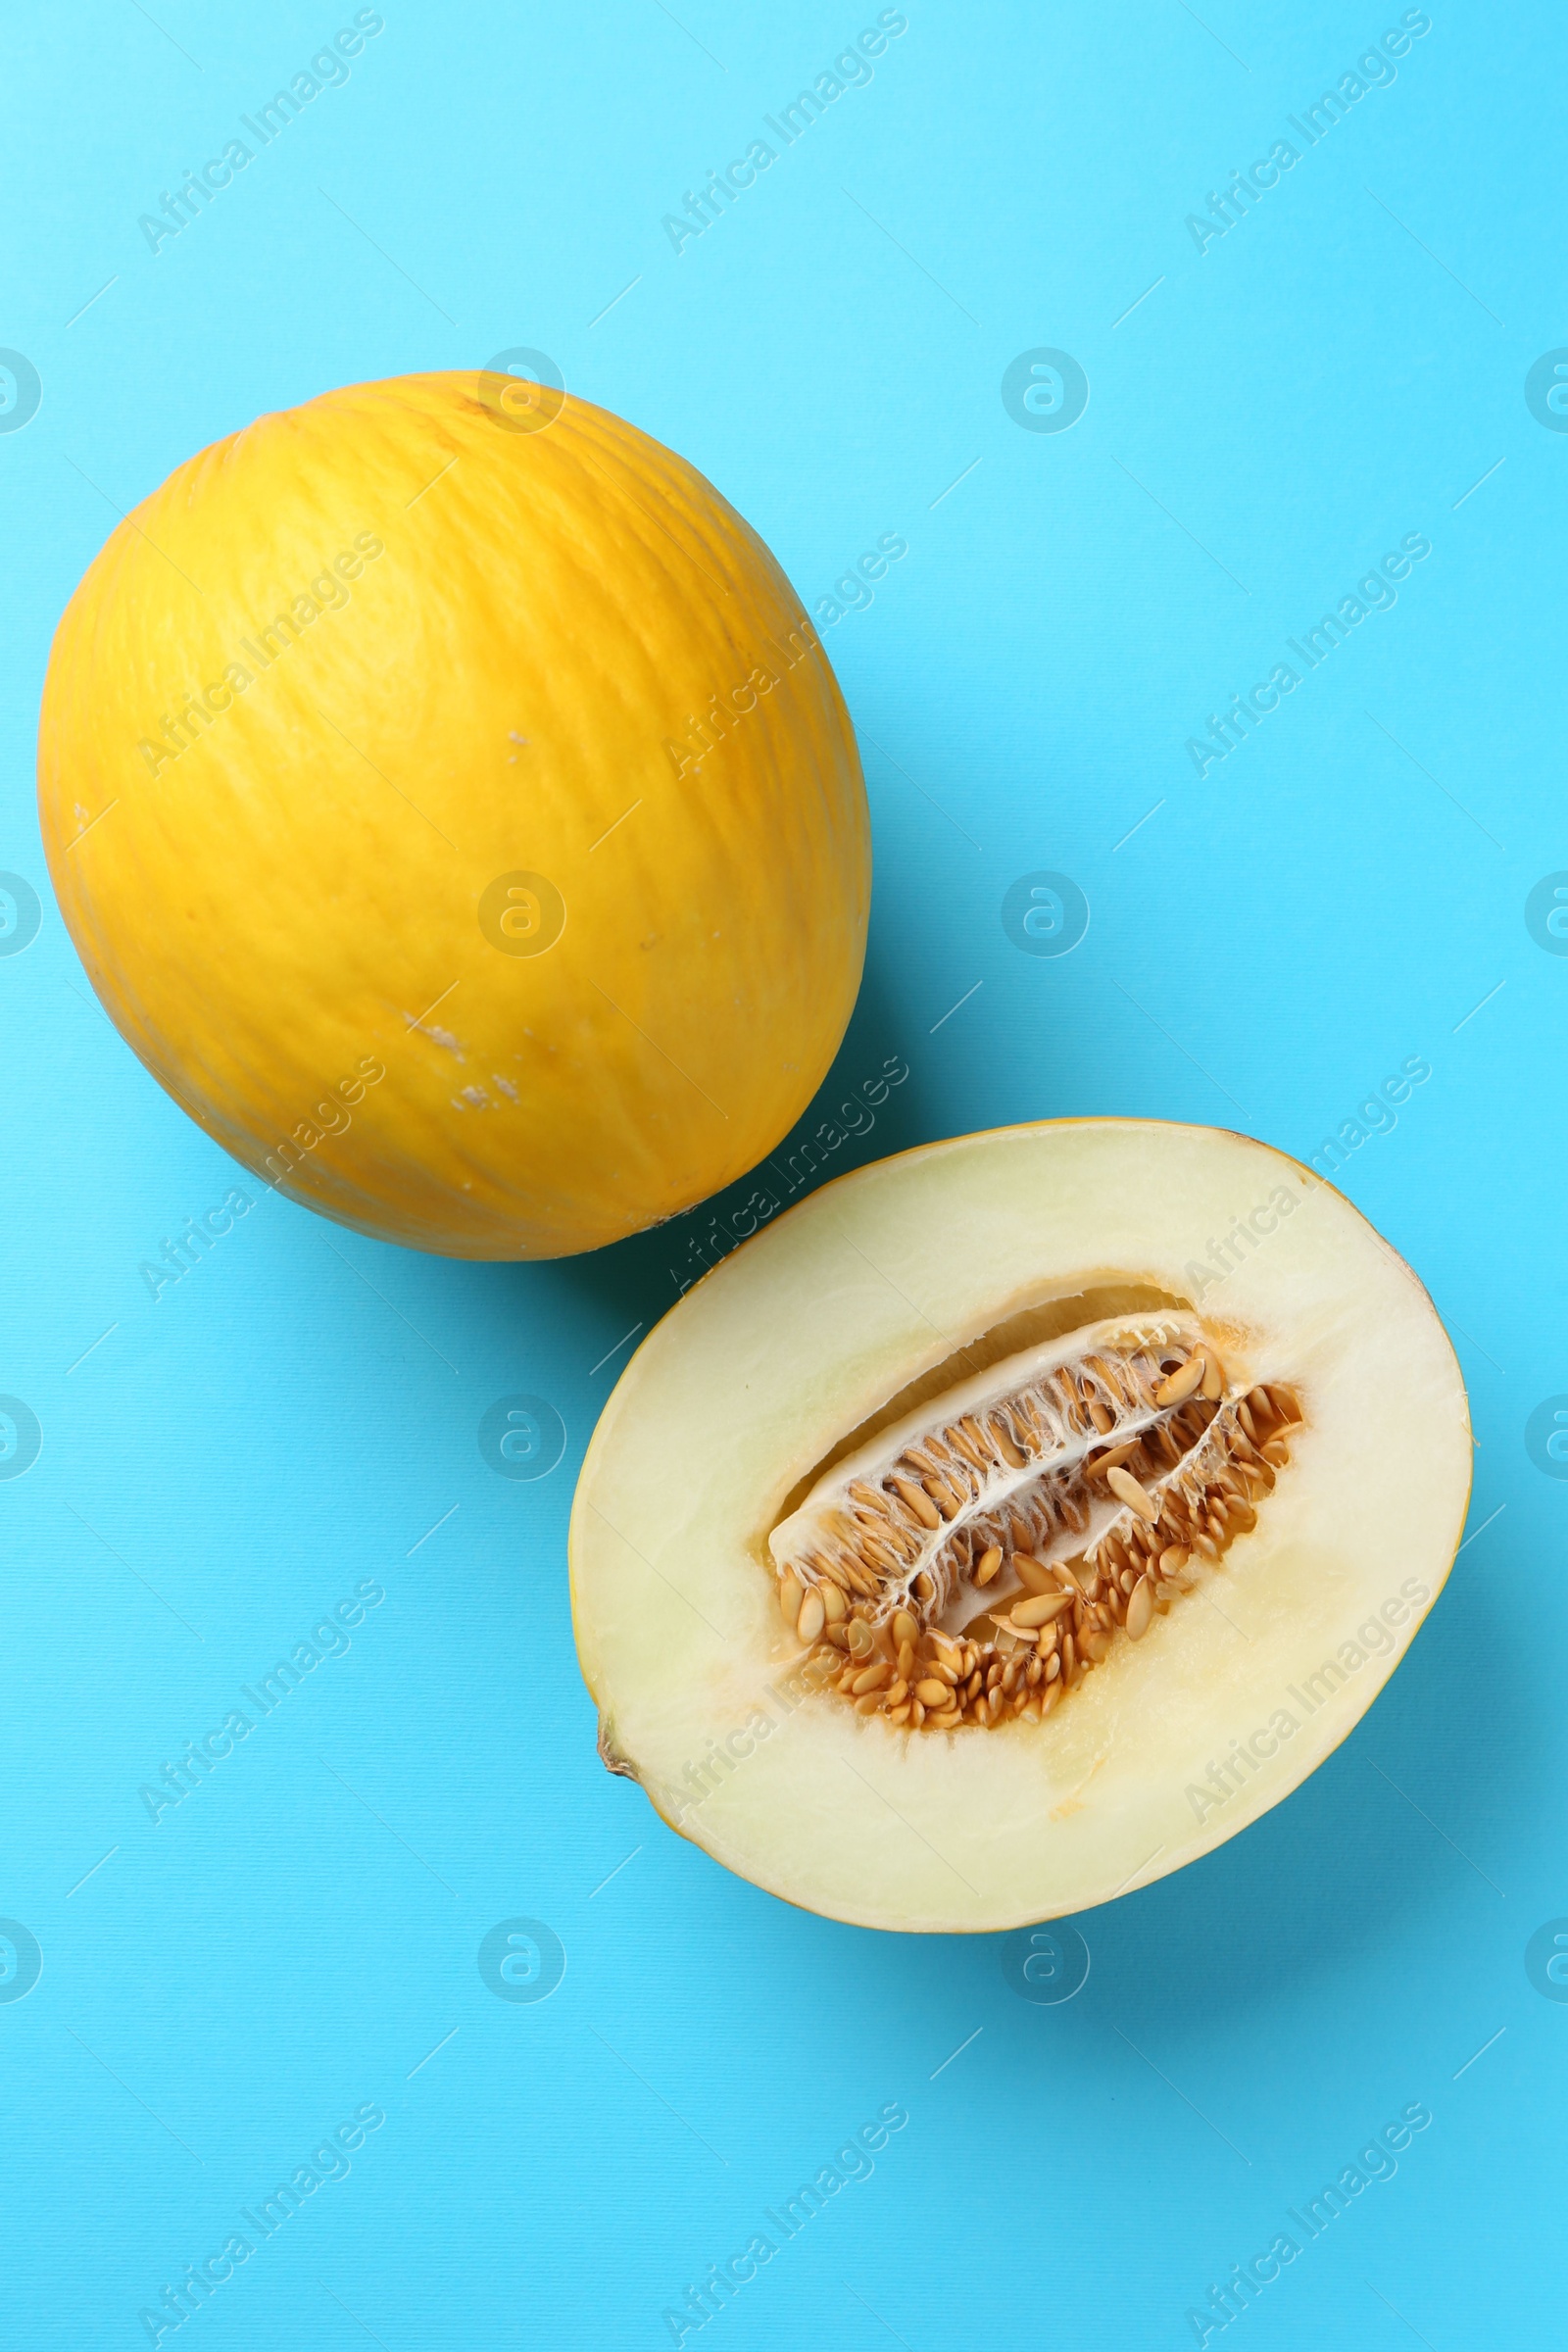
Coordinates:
column 300, row 1412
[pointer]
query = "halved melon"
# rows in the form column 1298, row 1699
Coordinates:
column 987, row 1537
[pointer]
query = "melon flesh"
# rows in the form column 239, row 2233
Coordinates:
column 938, row 1275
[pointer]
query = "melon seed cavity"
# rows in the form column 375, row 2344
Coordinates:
column 973, row 1563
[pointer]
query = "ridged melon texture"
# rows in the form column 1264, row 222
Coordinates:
column 986, row 1538
column 460, row 821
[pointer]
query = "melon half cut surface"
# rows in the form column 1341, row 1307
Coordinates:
column 1016, row 1520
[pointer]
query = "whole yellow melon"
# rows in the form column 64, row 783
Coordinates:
column 455, row 809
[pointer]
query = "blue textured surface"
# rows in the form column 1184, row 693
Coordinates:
column 1270, row 412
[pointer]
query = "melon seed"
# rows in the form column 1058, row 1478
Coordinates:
column 1140, row 1609
column 1123, row 1483
column 1029, row 1614
column 1181, row 1382
column 868, row 1565
column 919, row 1500
column 1033, row 1573
column 1114, row 1459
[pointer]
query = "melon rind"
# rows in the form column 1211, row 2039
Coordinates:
column 757, row 1373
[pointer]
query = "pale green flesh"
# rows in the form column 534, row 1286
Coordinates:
column 806, row 1332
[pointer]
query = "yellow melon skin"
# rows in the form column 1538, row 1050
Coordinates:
column 357, row 673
